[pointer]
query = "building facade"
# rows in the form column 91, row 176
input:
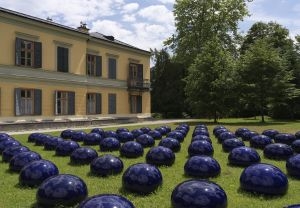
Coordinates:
column 50, row 71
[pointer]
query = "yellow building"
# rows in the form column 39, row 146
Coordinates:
column 50, row 71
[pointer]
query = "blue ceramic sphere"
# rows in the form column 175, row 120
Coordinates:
column 200, row 147
column 106, row 201
column 110, row 134
column 131, row 149
column 136, row 133
column 155, row 134
column 285, row 138
column 160, row 156
column 8, row 143
column 216, row 128
column 41, row 139
column 201, row 137
column 78, row 136
column 293, row 206
column 226, row 135
column 5, row 137
column 32, row 137
column 9, row 152
column 121, row 129
column 142, row 178
column 145, row 130
column 200, row 132
column 65, row 148
column 92, row 139
column 109, row 144
column 293, row 166
column 168, row 128
column 125, row 136
column 162, row 130
column 247, row 135
column 176, row 135
column 278, row 151
column 198, row 194
column 202, row 166
column 66, row 134
column 270, row 133
column 106, row 165
column 145, row 140
column 230, row 144
column 201, row 126
column 98, row 131
column 260, row 141
column 297, row 135
column 239, row 132
column 36, row 172
column 243, row 156
column 264, row 179
column 296, row 146
column 18, row 161
column 83, row 155
column 171, row 143
column 52, row 143
column 62, row 189
column 219, row 132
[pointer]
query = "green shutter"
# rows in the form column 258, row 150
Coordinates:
column 71, row 103
column 140, row 72
column 131, row 71
column 18, row 51
column 66, row 59
column 98, row 66
column 37, row 102
column 17, row 101
column 37, row 55
column 112, row 68
column 98, row 103
column 112, row 98
column 62, row 59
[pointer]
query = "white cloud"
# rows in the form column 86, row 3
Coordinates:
column 131, row 7
column 108, row 27
column 129, row 18
column 167, row 1
column 157, row 13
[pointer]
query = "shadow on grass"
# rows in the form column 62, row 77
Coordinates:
column 77, row 164
column 256, row 195
column 9, row 171
column 124, row 192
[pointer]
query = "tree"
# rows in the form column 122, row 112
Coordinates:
column 198, row 21
column 264, row 76
column 210, row 80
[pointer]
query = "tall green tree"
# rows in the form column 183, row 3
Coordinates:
column 264, row 76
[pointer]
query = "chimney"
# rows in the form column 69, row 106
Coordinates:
column 83, row 28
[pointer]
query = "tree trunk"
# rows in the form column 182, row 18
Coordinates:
column 215, row 117
column 262, row 115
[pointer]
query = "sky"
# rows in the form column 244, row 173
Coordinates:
column 144, row 23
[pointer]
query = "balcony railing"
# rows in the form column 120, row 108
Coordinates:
column 134, row 84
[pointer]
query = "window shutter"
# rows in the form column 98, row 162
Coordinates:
column 37, row 102
column 55, row 103
column 37, row 55
column 111, row 103
column 66, row 59
column 62, row 59
column 131, row 71
column 71, row 103
column 140, row 72
column 17, row 101
column 98, row 66
column 18, row 51
column 139, row 104
column 112, row 71
column 98, row 103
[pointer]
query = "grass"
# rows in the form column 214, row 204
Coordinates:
column 15, row 196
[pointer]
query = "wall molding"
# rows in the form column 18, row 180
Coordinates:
column 27, row 36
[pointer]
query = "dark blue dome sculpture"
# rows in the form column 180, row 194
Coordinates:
column 145, row 140
column 197, row 194
column 18, row 161
column 92, row 139
column 78, row 136
column 230, row 144
column 260, row 141
column 168, row 128
column 163, row 131
column 200, row 132
column 121, row 129
column 36, row 172
column 243, row 156
column 270, row 133
column 219, row 132
column 9, row 152
column 65, row 148
column 3, row 135
column 136, row 133
column 109, row 144
column 131, row 149
column 239, row 132
column 83, row 155
column 66, row 190
column 160, row 156
column 125, row 136
column 202, row 166
column 297, row 135
column 264, row 179
column 293, row 206
column 106, row 201
column 176, row 135
column 296, row 146
column 32, row 137
column 155, row 134
column 247, row 135
column 183, row 132
column 8, row 143
column 226, row 135
column 200, row 147
column 98, row 131
column 171, row 143
column 145, row 130
column 285, row 138
column 293, row 166
column 278, row 151
column 41, row 139
column 217, row 128
column 142, row 178
column 52, row 143
column 201, row 137
column 110, row 134
column 106, row 165
column 66, row 134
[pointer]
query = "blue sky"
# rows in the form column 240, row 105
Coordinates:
column 144, row 23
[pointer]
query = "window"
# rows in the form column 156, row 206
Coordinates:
column 62, row 59
column 64, row 103
column 93, row 65
column 28, row 53
column 93, row 103
column 112, row 68
column 28, row 102
column 112, row 100
column 136, row 104
column 136, row 71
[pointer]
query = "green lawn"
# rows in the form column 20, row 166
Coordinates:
column 14, row 196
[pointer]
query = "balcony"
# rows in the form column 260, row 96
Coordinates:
column 141, row 85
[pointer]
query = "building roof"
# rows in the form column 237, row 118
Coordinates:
column 96, row 35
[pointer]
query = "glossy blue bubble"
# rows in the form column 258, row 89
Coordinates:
column 293, row 166
column 109, row 144
column 106, row 201
column 136, row 133
column 131, row 149
column 239, row 132
column 200, row 147
column 270, row 133
column 247, row 135
column 125, row 136
column 201, row 137
column 296, row 146
column 98, row 131
column 260, row 141
column 243, row 156
column 8, row 143
column 202, row 166
column 18, row 161
column 110, row 134
column 106, row 165
column 176, row 135
column 171, row 143
column 83, row 155
column 52, row 143
column 160, row 156
column 78, row 136
column 121, row 129
column 92, row 139
column 9, row 152
column 66, row 134
column 230, row 144
column 226, row 135
column 278, row 151
column 41, row 139
column 65, row 148
column 285, row 138
column 155, row 134
column 145, row 140
column 145, row 130
column 32, row 137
